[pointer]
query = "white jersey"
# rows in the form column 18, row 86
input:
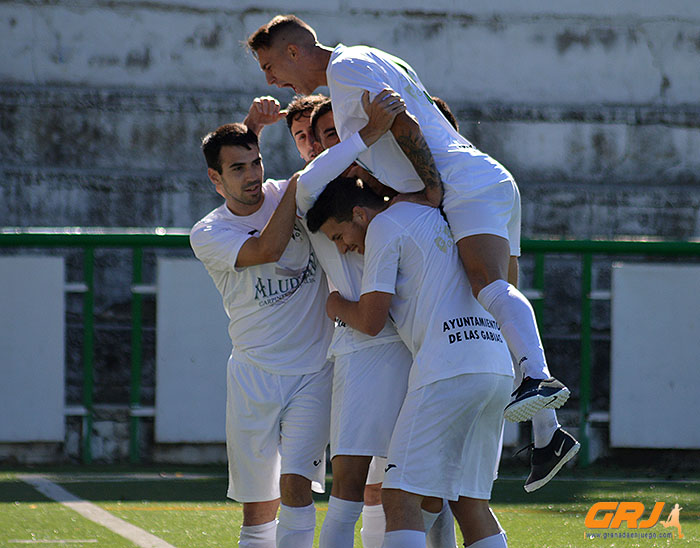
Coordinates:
column 410, row 253
column 277, row 310
column 462, row 167
column 344, row 271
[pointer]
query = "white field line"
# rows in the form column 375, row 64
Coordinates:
column 94, row 513
column 648, row 481
column 112, row 477
column 49, row 541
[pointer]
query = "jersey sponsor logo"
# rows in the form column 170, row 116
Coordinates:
column 444, row 239
column 456, row 332
column 270, row 291
column 252, row 232
column 317, row 462
column 389, row 467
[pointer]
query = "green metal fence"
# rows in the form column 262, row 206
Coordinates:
column 139, row 239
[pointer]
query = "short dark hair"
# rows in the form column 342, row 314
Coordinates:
column 446, row 112
column 264, row 37
column 321, row 109
column 237, row 135
column 302, row 105
column 337, row 200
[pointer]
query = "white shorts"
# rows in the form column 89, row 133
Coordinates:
column 275, row 424
column 446, row 438
column 494, row 209
column 376, row 471
column 369, row 386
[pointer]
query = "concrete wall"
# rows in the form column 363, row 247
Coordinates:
column 103, row 104
column 594, row 107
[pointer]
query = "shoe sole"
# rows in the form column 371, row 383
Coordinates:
column 525, row 409
column 535, row 485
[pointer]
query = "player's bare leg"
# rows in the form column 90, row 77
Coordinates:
column 259, row 525
column 373, row 518
column 297, row 517
column 346, row 502
column 479, row 526
column 404, row 520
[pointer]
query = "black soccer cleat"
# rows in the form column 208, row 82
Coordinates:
column 533, row 395
column 547, row 461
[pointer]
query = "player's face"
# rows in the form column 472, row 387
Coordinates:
column 284, row 67
column 346, row 235
column 325, row 129
column 241, row 177
column 303, row 137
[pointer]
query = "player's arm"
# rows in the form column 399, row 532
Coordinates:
column 332, row 162
column 367, row 315
column 410, row 138
column 273, row 240
column 264, row 111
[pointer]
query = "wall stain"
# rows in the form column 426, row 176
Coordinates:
column 569, row 38
column 139, row 59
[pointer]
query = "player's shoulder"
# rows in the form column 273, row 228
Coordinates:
column 210, row 224
column 346, row 57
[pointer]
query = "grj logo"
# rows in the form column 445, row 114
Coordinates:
column 610, row 515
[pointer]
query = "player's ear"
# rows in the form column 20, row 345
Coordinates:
column 293, row 51
column 215, row 178
column 359, row 214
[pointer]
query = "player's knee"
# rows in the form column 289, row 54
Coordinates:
column 373, row 494
column 295, row 490
column 257, row 513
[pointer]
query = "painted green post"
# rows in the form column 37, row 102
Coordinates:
column 586, row 361
column 538, row 284
column 88, row 349
column 136, row 354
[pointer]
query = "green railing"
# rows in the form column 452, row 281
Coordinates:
column 138, row 239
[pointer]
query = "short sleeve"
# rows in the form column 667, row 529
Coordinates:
column 217, row 247
column 382, row 251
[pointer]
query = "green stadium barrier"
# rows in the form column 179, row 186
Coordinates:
column 90, row 239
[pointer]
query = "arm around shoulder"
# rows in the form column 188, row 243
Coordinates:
column 273, row 240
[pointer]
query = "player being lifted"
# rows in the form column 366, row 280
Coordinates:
column 481, row 200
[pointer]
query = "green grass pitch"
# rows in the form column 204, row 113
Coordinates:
column 187, row 508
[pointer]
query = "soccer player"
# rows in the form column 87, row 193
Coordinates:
column 481, row 200
column 367, row 369
column 461, row 374
column 278, row 378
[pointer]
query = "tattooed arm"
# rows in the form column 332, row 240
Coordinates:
column 409, row 137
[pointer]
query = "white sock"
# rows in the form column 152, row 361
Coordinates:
column 338, row 529
column 404, row 538
column 544, row 424
column 442, row 533
column 428, row 519
column 516, row 318
column 258, row 536
column 373, row 526
column 296, row 526
column 496, row 541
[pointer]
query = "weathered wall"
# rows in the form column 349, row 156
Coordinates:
column 595, row 108
column 103, row 104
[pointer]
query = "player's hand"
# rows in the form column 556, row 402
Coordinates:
column 264, row 111
column 381, row 111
